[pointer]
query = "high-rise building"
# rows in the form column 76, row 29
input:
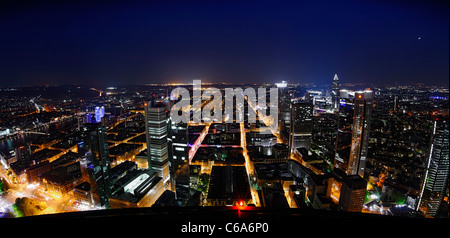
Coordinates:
column 284, row 108
column 180, row 161
column 344, row 132
column 325, row 132
column 97, row 162
column 363, row 105
column 99, row 113
column 353, row 191
column 335, row 98
column 301, row 125
column 437, row 170
column 396, row 105
column 156, row 137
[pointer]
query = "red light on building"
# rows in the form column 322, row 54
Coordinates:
column 240, row 204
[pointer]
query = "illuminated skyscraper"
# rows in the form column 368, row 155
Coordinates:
column 180, row 161
column 284, row 108
column 97, row 161
column 396, row 105
column 325, row 131
column 437, row 170
column 354, row 120
column 335, row 93
column 99, row 113
column 301, row 125
column 363, row 105
column 344, row 133
column 156, row 137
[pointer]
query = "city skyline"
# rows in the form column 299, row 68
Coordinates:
column 380, row 151
column 142, row 43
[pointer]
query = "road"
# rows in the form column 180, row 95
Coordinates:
column 249, row 166
column 268, row 120
column 198, row 142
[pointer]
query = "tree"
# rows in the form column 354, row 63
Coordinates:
column 28, row 207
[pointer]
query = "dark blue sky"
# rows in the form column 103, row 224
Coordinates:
column 235, row 41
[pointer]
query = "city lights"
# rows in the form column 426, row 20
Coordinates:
column 200, row 116
column 132, row 159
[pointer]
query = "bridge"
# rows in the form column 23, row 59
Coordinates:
column 36, row 132
column 17, row 133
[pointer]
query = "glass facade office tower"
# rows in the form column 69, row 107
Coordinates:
column 156, row 138
column 344, row 133
column 284, row 110
column 363, row 106
column 99, row 113
column 437, row 172
column 180, row 161
column 325, row 132
column 335, row 97
column 98, row 163
column 301, row 125
column 355, row 114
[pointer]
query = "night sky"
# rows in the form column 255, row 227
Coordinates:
column 138, row 42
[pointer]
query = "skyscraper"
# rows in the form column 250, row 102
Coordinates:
column 344, row 132
column 97, row 161
column 363, row 105
column 284, row 108
column 396, row 105
column 325, row 131
column 156, row 137
column 335, row 94
column 301, row 125
column 437, row 170
column 180, row 161
column 99, row 113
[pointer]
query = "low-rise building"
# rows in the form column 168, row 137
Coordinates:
column 138, row 188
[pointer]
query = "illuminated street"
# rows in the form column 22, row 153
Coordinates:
column 248, row 165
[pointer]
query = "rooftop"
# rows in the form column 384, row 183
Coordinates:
column 355, row 182
column 229, row 182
